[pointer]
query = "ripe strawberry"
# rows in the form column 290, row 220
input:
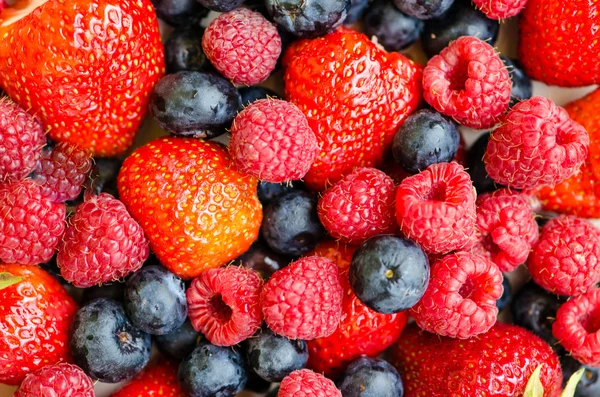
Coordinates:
column 355, row 97
column 85, row 67
column 35, row 315
column 197, row 211
column 159, row 379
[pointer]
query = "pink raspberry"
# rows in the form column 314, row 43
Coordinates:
column 537, row 144
column 21, row 140
column 566, row 261
column 304, row 299
column 460, row 301
column 31, row 226
column 506, row 228
column 306, row 383
column 243, row 45
column 359, row 206
column 62, row 171
column 577, row 327
column 271, row 140
column 468, row 82
column 59, row 380
column 436, row 208
column 500, row 9
column 102, row 243
column 224, row 304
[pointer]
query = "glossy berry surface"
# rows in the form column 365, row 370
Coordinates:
column 357, row 8
column 506, row 297
column 221, row 5
column 180, row 12
column 307, row 383
column 254, row 93
column 370, row 377
column 179, row 342
column 262, row 259
column 476, row 167
column 424, row 9
column 310, row 18
column 522, row 87
column 183, row 51
column 62, row 380
column 268, row 191
column 157, row 379
column 394, row 30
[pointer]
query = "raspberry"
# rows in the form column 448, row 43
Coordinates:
column 306, row 383
column 224, row 304
column 537, row 144
column 468, row 82
column 436, row 208
column 359, row 206
column 60, row 380
column 21, row 141
column 460, row 301
column 30, row 225
column 102, row 243
column 577, row 327
column 566, row 261
column 304, row 299
column 62, row 171
column 506, row 228
column 271, row 140
column 243, row 45
column 500, row 9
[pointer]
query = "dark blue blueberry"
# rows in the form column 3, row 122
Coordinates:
column 357, row 8
column 273, row 357
column 476, row 167
column 370, row 377
column 262, row 259
column 425, row 138
column 395, row 31
column 179, row 342
column 589, row 385
column 155, row 300
column 113, row 291
column 291, row 225
column 105, row 344
column 462, row 19
column 180, row 12
column 273, row 393
column 183, row 51
column 195, row 104
column 424, row 9
column 308, row 18
column 221, row 5
column 389, row 274
column 256, row 384
column 521, row 84
column 267, row 191
column 506, row 294
column 254, row 93
column 212, row 371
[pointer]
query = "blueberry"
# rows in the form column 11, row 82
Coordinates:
column 180, row 12
column 105, row 344
column 267, row 191
column 308, row 18
column 155, row 300
column 521, row 84
column 423, row 9
column 113, row 291
column 476, row 167
column 179, row 342
column 589, row 385
column 212, row 371
column 254, row 93
column 370, row 377
column 506, row 294
column 426, row 137
column 256, row 384
column 104, row 176
column 357, row 8
column 395, row 31
column 273, row 393
column 273, row 357
column 389, row 274
column 262, row 259
column 196, row 104
column 462, row 19
column 221, row 5
column 183, row 51
column 291, row 225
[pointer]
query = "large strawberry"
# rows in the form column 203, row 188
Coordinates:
column 159, row 379
column 85, row 67
column 355, row 96
column 559, row 42
column 196, row 209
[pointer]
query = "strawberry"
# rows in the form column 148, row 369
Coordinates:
column 558, row 42
column 86, row 68
column 159, row 379
column 197, row 210
column 355, row 96
column 494, row 364
column 361, row 331
column 35, row 315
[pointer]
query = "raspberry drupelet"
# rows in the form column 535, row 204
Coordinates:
column 306, row 383
column 60, row 380
column 500, row 9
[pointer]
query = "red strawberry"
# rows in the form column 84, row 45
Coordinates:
column 361, row 331
column 355, row 97
column 85, row 67
column 159, row 379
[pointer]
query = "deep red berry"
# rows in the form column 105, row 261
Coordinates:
column 224, row 304
column 359, row 206
column 304, row 299
column 102, row 243
column 271, row 140
column 577, row 327
column 468, row 82
column 243, row 45
column 436, row 208
column 60, row 380
column 537, row 144
column 306, row 383
column 506, row 228
column 500, row 9
column 566, row 261
column 156, row 380
column 460, row 301
column 30, row 225
column 21, row 141
column 62, row 171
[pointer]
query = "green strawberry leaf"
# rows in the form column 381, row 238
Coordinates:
column 7, row 279
column 572, row 383
column 534, row 386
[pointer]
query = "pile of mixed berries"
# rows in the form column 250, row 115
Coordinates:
column 344, row 242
